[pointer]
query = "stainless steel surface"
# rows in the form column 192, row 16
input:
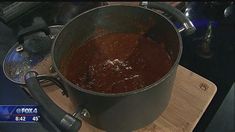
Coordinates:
column 185, row 27
column 19, row 48
column 188, row 26
column 204, row 49
column 85, row 113
column 30, row 74
column 144, row 3
column 19, row 61
column 229, row 12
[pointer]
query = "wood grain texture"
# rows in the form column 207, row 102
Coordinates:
column 190, row 97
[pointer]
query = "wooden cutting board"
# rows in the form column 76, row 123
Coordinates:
column 190, row 97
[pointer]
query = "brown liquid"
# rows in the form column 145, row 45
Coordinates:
column 116, row 63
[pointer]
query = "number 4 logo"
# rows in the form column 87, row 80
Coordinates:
column 35, row 110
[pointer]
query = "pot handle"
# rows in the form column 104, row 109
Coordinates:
column 63, row 120
column 32, row 29
column 188, row 26
column 53, row 78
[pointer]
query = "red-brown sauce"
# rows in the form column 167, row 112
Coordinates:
column 117, row 62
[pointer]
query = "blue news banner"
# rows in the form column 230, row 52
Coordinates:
column 19, row 113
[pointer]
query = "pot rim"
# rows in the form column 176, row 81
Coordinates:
column 124, row 93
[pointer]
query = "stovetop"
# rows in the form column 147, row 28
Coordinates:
column 217, row 64
column 214, row 36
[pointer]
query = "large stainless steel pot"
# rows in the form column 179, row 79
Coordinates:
column 120, row 111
